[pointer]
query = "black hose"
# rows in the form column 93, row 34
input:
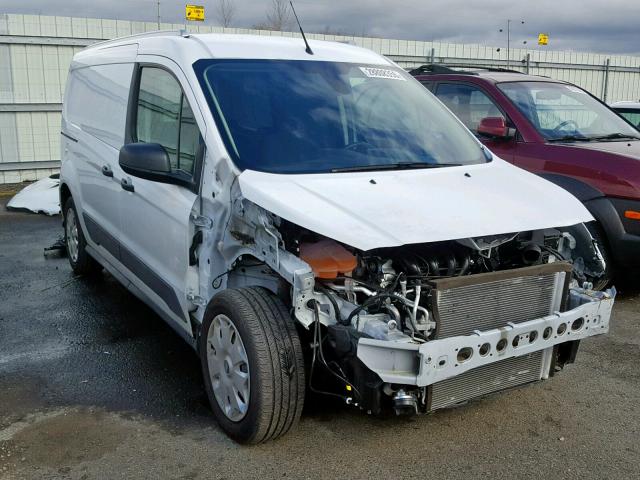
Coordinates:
column 451, row 265
column 554, row 252
column 370, row 301
column 394, row 285
column 465, row 265
column 329, row 295
column 317, row 346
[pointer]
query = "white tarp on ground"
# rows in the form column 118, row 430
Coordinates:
column 39, row 197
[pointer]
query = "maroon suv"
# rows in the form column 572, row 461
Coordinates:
column 561, row 132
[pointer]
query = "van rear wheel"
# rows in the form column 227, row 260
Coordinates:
column 81, row 262
column 252, row 364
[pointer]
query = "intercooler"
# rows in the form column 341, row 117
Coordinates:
column 462, row 305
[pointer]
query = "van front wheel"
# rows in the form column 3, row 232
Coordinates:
column 252, row 364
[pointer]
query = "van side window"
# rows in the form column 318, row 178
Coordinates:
column 468, row 103
column 165, row 117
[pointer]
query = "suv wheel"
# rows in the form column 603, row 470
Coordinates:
column 252, row 364
column 81, row 262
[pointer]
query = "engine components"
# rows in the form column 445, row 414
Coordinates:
column 404, row 403
column 328, row 258
column 415, row 295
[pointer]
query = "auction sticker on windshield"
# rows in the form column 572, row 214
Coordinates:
column 386, row 73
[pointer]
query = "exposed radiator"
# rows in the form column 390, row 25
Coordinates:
column 461, row 305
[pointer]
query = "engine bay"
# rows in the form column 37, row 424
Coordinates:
column 387, row 294
column 395, row 283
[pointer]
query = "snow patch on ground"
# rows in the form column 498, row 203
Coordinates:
column 39, row 197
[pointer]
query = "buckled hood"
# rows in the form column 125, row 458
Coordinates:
column 377, row 209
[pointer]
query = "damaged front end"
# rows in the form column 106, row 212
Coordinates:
column 420, row 327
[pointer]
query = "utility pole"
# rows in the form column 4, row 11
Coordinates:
column 508, row 43
column 509, row 40
column 158, row 14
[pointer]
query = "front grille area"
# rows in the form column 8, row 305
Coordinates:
column 487, row 379
column 462, row 305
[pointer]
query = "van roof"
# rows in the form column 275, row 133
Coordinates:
column 186, row 48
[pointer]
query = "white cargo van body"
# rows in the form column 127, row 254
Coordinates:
column 274, row 205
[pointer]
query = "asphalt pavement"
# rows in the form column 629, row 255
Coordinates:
column 94, row 385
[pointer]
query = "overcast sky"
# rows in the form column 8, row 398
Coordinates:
column 609, row 26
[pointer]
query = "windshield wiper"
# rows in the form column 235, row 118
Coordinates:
column 616, row 136
column 394, row 166
column 571, row 138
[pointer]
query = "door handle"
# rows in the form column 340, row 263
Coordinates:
column 127, row 185
column 106, row 171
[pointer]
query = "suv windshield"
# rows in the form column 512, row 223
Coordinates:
column 313, row 116
column 564, row 112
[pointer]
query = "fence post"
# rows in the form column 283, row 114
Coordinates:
column 433, row 55
column 605, row 83
column 527, row 62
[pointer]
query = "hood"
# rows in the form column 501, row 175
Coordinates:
column 626, row 148
column 369, row 210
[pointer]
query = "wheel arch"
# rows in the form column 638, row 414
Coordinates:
column 595, row 201
column 65, row 193
column 249, row 270
column 579, row 189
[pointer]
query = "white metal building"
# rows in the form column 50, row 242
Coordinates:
column 35, row 52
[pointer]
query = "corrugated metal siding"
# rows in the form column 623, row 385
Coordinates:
column 36, row 73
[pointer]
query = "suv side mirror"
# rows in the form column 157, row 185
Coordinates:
column 146, row 160
column 494, row 127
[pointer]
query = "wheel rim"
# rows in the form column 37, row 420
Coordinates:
column 228, row 368
column 71, row 226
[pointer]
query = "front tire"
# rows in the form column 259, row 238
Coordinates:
column 81, row 262
column 252, row 364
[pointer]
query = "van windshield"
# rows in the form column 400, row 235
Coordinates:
column 315, row 116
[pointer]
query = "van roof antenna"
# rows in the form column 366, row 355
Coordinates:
column 308, row 49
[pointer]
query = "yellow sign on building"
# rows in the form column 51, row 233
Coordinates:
column 194, row 13
column 543, row 39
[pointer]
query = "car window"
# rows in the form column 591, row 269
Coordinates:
column 632, row 115
column 559, row 111
column 428, row 85
column 469, row 103
column 165, row 117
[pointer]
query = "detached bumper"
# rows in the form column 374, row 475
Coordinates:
column 438, row 360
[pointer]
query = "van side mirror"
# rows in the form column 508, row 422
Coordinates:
column 146, row 160
column 495, row 127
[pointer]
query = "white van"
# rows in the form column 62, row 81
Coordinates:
column 318, row 220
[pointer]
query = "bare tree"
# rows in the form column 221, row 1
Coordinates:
column 278, row 15
column 225, row 11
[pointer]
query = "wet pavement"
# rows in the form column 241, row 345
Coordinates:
column 94, row 385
